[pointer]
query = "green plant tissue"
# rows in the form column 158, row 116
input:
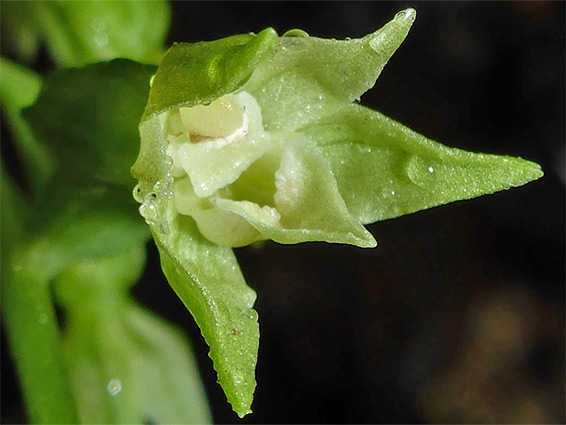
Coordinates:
column 256, row 137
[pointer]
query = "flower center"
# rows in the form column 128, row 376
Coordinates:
column 223, row 120
column 213, row 144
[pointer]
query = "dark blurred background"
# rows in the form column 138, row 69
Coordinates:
column 458, row 315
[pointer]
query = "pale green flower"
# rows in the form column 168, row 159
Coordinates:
column 257, row 137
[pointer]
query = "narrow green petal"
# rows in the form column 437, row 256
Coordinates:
column 307, row 200
column 207, row 278
column 193, row 74
column 308, row 72
column 385, row 170
column 172, row 389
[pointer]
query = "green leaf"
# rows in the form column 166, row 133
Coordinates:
column 19, row 88
column 72, row 225
column 78, row 33
column 126, row 366
column 192, row 74
column 89, row 118
column 296, row 85
column 207, row 278
column 386, row 170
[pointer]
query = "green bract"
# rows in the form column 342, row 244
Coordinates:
column 257, row 137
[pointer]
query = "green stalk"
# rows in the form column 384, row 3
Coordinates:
column 35, row 342
column 19, row 88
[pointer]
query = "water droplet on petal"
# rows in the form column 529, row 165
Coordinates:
column 250, row 314
column 296, row 33
column 420, row 172
column 407, row 15
column 148, row 209
column 97, row 24
column 137, row 194
column 100, row 39
column 114, row 387
column 169, row 161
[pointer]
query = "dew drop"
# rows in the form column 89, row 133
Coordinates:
column 97, row 24
column 114, row 387
column 148, row 209
column 157, row 188
column 420, row 172
column 169, row 161
column 162, row 190
column 100, row 39
column 406, row 15
column 43, row 319
column 137, row 194
column 250, row 314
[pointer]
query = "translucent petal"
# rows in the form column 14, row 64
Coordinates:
column 385, row 170
column 307, row 73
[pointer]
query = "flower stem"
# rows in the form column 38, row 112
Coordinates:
column 35, row 342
